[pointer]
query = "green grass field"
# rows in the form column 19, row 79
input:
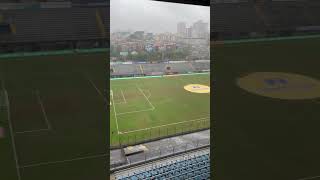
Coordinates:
column 259, row 137
column 57, row 115
column 148, row 108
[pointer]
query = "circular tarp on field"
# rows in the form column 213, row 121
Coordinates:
column 280, row 85
column 197, row 88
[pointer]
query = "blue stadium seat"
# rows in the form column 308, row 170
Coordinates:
column 197, row 167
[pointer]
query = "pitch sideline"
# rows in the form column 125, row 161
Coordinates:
column 143, row 129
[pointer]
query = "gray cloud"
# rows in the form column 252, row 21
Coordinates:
column 153, row 16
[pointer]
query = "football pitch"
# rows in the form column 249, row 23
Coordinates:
column 143, row 109
column 53, row 117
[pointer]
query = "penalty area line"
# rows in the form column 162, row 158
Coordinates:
column 43, row 111
column 48, row 124
column 129, row 112
column 115, row 114
column 95, row 87
column 146, row 97
column 125, row 101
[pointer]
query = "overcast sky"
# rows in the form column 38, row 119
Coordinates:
column 153, row 16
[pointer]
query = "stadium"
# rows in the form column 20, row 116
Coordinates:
column 53, row 120
column 52, row 74
column 160, row 101
column 268, row 38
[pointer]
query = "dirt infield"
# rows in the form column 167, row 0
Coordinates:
column 280, row 85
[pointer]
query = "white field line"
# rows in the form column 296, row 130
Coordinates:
column 115, row 114
column 62, row 161
column 12, row 137
column 199, row 119
column 125, row 101
column 30, row 131
column 143, row 110
column 308, row 178
column 95, row 87
column 129, row 112
column 49, row 127
column 149, row 93
column 146, row 97
column 43, row 111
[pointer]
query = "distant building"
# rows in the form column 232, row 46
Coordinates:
column 149, row 36
column 181, row 29
column 138, row 35
column 200, row 29
column 149, row 47
column 166, row 37
column 134, row 53
column 189, row 32
column 124, row 53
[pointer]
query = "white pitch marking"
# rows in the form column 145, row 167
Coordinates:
column 307, row 178
column 43, row 111
column 115, row 113
column 146, row 97
column 62, row 161
column 49, row 127
column 149, row 93
column 29, row 131
column 125, row 101
column 12, row 137
column 95, row 87
column 129, row 112
column 143, row 110
column 199, row 119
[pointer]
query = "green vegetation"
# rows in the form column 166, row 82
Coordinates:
column 149, row 108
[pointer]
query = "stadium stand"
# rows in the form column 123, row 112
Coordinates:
column 122, row 70
column 201, row 66
column 182, row 68
column 263, row 18
column 194, row 165
column 125, row 69
column 54, row 25
column 153, row 69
